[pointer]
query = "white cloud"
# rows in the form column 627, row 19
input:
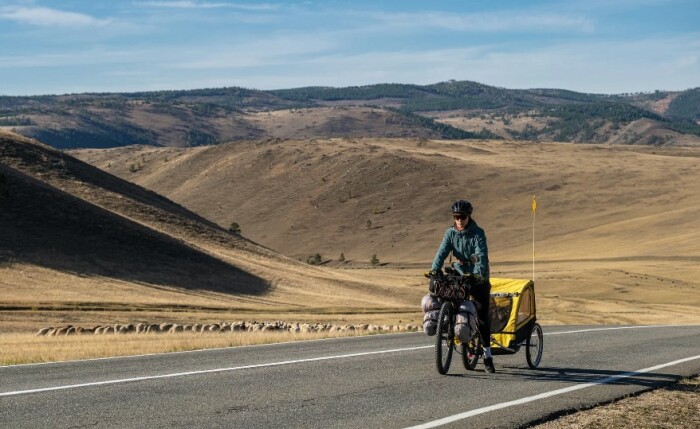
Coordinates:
column 182, row 4
column 598, row 67
column 92, row 57
column 188, row 4
column 293, row 60
column 274, row 50
column 488, row 22
column 43, row 16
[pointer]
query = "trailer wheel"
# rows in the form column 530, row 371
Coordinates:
column 534, row 346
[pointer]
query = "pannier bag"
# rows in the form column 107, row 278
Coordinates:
column 430, row 320
column 429, row 303
column 466, row 322
column 431, row 308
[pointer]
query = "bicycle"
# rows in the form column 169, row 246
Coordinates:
column 512, row 314
column 452, row 290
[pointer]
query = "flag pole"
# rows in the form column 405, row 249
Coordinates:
column 534, row 212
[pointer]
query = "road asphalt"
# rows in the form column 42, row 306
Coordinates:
column 387, row 381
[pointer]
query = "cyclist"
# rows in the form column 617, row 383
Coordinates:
column 467, row 242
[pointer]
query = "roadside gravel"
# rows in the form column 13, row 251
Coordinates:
column 674, row 406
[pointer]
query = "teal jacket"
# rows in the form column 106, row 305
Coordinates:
column 468, row 246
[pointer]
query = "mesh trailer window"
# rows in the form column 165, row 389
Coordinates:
column 499, row 310
column 525, row 309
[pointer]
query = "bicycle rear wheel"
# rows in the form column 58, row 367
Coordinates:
column 470, row 352
column 444, row 340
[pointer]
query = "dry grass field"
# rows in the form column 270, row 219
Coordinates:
column 617, row 233
column 49, row 349
column 675, row 406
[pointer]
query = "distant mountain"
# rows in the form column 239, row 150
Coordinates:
column 446, row 110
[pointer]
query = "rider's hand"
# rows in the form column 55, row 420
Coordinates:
column 432, row 273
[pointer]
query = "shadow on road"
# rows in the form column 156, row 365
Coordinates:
column 585, row 375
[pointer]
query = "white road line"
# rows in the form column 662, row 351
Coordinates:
column 616, row 328
column 306, row 341
column 181, row 374
column 208, row 371
column 521, row 401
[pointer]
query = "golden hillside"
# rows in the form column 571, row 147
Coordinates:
column 82, row 245
column 617, row 228
column 299, row 197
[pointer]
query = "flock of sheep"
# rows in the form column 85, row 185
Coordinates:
column 146, row 328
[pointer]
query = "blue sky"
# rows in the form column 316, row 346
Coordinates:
column 601, row 46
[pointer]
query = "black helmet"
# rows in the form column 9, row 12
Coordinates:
column 462, row 206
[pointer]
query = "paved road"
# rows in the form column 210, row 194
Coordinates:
column 377, row 381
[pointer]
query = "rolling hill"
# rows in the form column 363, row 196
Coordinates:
column 391, row 197
column 79, row 243
column 615, row 243
column 617, row 234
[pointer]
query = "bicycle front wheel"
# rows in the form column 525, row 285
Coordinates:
column 444, row 340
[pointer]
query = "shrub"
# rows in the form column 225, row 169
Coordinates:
column 374, row 260
column 235, row 228
column 342, row 257
column 314, row 259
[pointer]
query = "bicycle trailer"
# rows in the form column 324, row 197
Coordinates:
column 513, row 315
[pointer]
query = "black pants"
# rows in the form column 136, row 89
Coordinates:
column 482, row 295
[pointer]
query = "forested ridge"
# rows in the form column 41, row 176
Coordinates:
column 112, row 119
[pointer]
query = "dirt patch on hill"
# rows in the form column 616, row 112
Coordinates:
column 337, row 122
column 661, row 106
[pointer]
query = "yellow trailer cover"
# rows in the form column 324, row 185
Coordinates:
column 512, row 309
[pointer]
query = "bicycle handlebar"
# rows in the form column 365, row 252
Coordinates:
column 451, row 286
